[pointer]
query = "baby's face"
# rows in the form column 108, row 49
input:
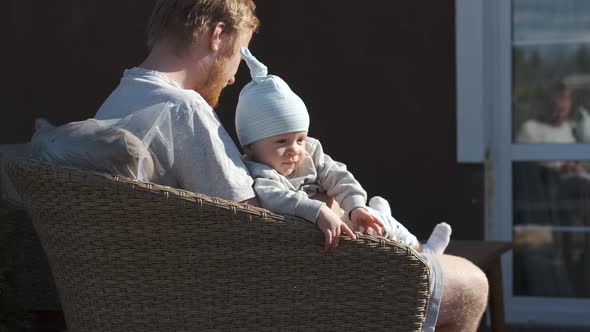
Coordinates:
column 283, row 152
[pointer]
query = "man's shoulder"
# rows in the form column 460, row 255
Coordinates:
column 140, row 88
column 157, row 85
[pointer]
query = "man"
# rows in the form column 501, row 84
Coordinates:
column 194, row 54
column 553, row 126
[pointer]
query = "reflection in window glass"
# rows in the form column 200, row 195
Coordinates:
column 551, row 228
column 550, row 262
column 536, row 20
column 551, row 49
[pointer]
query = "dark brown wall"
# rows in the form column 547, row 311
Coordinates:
column 60, row 59
column 378, row 79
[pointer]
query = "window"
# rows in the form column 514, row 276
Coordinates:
column 535, row 87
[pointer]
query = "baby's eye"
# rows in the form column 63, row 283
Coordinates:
column 300, row 140
column 282, row 141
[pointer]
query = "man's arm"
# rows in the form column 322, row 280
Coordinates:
column 206, row 160
column 330, row 202
column 277, row 198
column 252, row 201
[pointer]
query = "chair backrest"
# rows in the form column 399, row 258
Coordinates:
column 31, row 278
column 134, row 256
column 32, row 282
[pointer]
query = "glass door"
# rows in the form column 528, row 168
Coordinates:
column 541, row 158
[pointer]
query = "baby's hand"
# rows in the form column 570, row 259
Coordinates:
column 360, row 217
column 332, row 227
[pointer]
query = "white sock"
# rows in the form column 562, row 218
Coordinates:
column 439, row 239
column 380, row 204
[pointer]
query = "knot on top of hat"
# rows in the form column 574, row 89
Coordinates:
column 258, row 70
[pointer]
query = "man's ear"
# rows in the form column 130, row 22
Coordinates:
column 215, row 36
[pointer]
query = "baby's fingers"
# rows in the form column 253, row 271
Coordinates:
column 377, row 221
column 348, row 232
column 375, row 224
column 377, row 230
column 336, row 238
column 328, row 239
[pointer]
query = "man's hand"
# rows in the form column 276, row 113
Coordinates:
column 360, row 217
column 252, row 201
column 332, row 227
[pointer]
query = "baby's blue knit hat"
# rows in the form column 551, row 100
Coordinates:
column 267, row 106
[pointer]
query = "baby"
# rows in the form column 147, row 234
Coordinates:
column 290, row 169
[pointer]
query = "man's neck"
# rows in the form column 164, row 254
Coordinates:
column 188, row 70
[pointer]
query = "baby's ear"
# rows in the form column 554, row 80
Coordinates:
column 247, row 150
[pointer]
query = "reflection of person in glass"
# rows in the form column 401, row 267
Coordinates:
column 563, row 188
column 553, row 126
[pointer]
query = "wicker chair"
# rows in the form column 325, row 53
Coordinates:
column 134, row 256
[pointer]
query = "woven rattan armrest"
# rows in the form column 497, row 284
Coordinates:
column 134, row 256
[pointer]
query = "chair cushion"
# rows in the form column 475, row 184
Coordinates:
column 93, row 144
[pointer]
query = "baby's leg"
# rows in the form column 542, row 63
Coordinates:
column 394, row 230
column 380, row 204
column 439, row 239
column 437, row 243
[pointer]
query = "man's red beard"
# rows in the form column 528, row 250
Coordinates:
column 215, row 82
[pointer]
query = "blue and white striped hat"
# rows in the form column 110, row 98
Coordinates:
column 267, row 106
